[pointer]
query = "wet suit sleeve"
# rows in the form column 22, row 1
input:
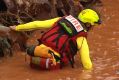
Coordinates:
column 37, row 25
column 84, row 52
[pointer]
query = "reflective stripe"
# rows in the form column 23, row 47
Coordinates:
column 74, row 22
column 47, row 63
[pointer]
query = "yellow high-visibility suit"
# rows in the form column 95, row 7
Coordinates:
column 82, row 46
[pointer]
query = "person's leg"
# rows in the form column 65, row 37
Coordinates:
column 41, row 51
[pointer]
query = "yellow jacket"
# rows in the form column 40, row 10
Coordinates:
column 83, row 46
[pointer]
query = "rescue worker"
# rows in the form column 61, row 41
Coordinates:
column 66, row 37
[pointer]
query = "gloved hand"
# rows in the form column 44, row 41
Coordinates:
column 13, row 27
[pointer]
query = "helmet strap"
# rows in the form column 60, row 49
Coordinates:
column 88, row 26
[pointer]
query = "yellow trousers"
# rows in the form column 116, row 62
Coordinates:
column 43, row 51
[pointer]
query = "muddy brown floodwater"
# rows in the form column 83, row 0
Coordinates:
column 104, row 49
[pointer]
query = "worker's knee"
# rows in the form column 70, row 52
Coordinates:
column 30, row 50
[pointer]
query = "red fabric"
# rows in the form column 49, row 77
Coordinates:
column 62, row 39
column 42, row 64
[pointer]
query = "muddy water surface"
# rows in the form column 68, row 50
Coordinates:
column 104, row 49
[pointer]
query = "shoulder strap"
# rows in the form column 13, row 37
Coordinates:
column 71, row 25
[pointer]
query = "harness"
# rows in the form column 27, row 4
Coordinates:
column 62, row 38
